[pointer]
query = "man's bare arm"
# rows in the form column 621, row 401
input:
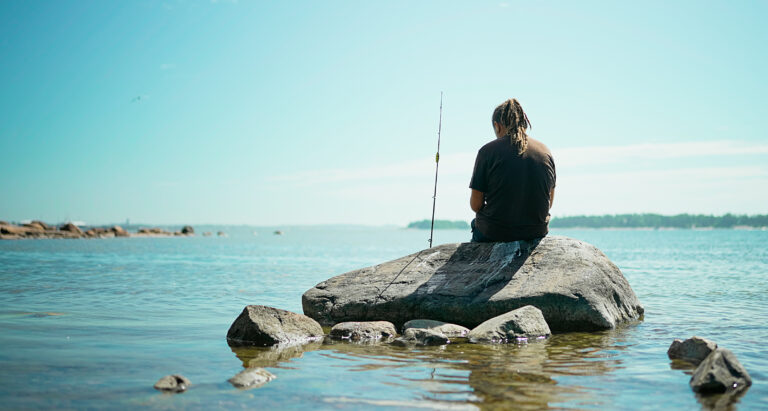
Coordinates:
column 551, row 197
column 476, row 200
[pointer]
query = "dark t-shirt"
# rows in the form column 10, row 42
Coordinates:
column 516, row 189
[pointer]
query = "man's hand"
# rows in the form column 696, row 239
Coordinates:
column 476, row 200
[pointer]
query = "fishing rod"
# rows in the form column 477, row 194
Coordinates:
column 437, row 166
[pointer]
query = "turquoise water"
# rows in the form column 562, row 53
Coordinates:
column 92, row 324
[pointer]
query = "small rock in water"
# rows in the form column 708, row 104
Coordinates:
column 187, row 230
column 522, row 323
column 422, row 336
column 367, row 330
column 251, row 378
column 720, row 372
column 265, row 326
column 693, row 350
column 172, row 383
column 448, row 329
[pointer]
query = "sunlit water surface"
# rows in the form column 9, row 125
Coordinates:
column 92, row 324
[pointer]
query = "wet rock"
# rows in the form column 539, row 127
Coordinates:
column 172, row 383
column 720, row 372
column 16, row 230
column 187, row 230
column 447, row 329
column 574, row 285
column 265, row 326
column 523, row 323
column 35, row 225
column 422, row 336
column 251, row 378
column 367, row 330
column 119, row 231
column 693, row 350
column 69, row 227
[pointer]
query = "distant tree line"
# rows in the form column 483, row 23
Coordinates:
column 440, row 225
column 660, row 221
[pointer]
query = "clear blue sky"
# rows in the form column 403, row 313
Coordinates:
column 326, row 112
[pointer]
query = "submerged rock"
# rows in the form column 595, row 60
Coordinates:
column 447, row 329
column 422, row 336
column 367, row 330
column 265, row 326
column 251, row 378
column 172, row 383
column 574, row 285
column 693, row 350
column 523, row 323
column 720, row 372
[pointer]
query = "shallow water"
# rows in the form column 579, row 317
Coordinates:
column 94, row 323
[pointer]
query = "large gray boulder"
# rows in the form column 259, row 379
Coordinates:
column 720, row 372
column 523, row 323
column 574, row 285
column 266, row 326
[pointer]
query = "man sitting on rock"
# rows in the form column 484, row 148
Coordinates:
column 513, row 184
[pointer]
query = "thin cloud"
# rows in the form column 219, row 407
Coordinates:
column 460, row 164
column 601, row 155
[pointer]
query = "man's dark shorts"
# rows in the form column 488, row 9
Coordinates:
column 477, row 236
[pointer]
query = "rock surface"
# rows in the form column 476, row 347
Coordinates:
column 693, row 350
column 265, row 326
column 187, row 230
column 172, row 383
column 574, row 284
column 367, row 330
column 251, row 378
column 71, row 228
column 422, row 336
column 522, row 323
column 720, row 372
column 119, row 231
column 447, row 329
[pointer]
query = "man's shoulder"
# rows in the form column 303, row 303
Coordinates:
column 538, row 147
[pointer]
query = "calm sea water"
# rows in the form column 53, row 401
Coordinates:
column 92, row 324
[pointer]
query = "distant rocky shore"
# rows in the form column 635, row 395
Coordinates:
column 38, row 229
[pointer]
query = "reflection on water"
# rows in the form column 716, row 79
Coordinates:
column 520, row 376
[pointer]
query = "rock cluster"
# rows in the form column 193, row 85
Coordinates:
column 259, row 325
column 717, row 369
column 575, row 286
column 39, row 229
